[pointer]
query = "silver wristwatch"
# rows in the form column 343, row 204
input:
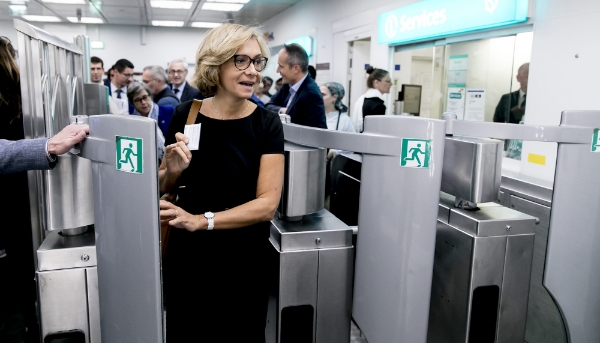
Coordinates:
column 211, row 220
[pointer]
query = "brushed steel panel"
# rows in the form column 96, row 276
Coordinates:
column 515, row 289
column 63, row 301
column 472, row 168
column 334, row 301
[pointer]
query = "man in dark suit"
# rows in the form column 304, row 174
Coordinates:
column 117, row 88
column 299, row 97
column 511, row 108
column 183, row 91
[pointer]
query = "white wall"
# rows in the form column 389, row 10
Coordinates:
column 557, row 79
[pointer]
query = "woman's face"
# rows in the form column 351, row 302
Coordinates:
column 384, row 85
column 240, row 83
column 143, row 102
column 328, row 99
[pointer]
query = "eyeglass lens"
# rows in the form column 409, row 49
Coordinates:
column 144, row 98
column 242, row 62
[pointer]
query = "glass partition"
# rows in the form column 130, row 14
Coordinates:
column 483, row 80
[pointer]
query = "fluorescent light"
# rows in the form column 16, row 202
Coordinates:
column 97, row 44
column 231, row 1
column 86, row 20
column 41, row 18
column 17, row 9
column 206, row 25
column 68, row 2
column 218, row 6
column 167, row 23
column 185, row 5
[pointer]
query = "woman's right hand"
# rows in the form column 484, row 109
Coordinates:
column 177, row 155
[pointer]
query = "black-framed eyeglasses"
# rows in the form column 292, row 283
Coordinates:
column 242, row 62
column 139, row 100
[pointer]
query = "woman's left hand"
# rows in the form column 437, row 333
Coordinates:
column 177, row 217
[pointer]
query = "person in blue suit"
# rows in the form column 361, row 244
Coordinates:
column 299, row 97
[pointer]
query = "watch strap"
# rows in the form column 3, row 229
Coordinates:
column 210, row 217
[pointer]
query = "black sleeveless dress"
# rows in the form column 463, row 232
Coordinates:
column 216, row 281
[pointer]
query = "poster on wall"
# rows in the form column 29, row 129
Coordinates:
column 457, row 83
column 475, row 105
column 456, row 101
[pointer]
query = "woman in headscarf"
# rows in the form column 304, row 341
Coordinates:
column 337, row 119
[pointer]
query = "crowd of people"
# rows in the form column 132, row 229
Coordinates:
column 228, row 189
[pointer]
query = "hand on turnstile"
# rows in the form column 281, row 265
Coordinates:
column 177, row 155
column 177, row 217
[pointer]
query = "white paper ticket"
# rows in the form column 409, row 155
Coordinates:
column 192, row 132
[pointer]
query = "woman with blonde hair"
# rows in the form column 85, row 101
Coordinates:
column 228, row 191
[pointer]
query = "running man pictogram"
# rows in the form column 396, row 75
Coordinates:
column 128, row 152
column 415, row 153
column 129, row 155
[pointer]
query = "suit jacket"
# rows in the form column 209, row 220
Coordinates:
column 506, row 108
column 307, row 107
column 166, row 97
column 189, row 93
column 23, row 155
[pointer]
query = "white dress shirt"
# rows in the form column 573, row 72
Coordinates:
column 123, row 102
column 521, row 98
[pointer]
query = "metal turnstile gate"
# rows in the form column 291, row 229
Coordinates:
column 311, row 300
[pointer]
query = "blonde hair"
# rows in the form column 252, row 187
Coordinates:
column 218, row 46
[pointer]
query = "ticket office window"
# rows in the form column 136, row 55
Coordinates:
column 469, row 78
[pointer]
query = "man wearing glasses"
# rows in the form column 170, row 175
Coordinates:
column 299, row 97
column 183, row 91
column 155, row 77
column 122, row 77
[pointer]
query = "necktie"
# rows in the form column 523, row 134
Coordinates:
column 176, row 90
column 119, row 91
column 524, row 100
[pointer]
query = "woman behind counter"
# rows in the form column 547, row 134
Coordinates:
column 371, row 103
column 229, row 189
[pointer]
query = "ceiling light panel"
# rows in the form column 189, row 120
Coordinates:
column 167, row 23
column 86, row 20
column 185, row 5
column 205, row 25
column 46, row 18
column 68, row 2
column 231, row 1
column 219, row 6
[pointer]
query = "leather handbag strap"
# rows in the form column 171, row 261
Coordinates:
column 191, row 119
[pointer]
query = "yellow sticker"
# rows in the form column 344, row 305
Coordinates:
column 537, row 159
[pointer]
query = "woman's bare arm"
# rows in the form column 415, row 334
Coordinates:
column 261, row 209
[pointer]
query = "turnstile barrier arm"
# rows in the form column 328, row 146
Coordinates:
column 126, row 215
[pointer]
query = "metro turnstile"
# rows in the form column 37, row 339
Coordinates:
column 311, row 294
column 534, row 197
column 481, row 274
column 393, row 251
column 111, row 181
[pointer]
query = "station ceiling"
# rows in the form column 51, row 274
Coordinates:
column 141, row 12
